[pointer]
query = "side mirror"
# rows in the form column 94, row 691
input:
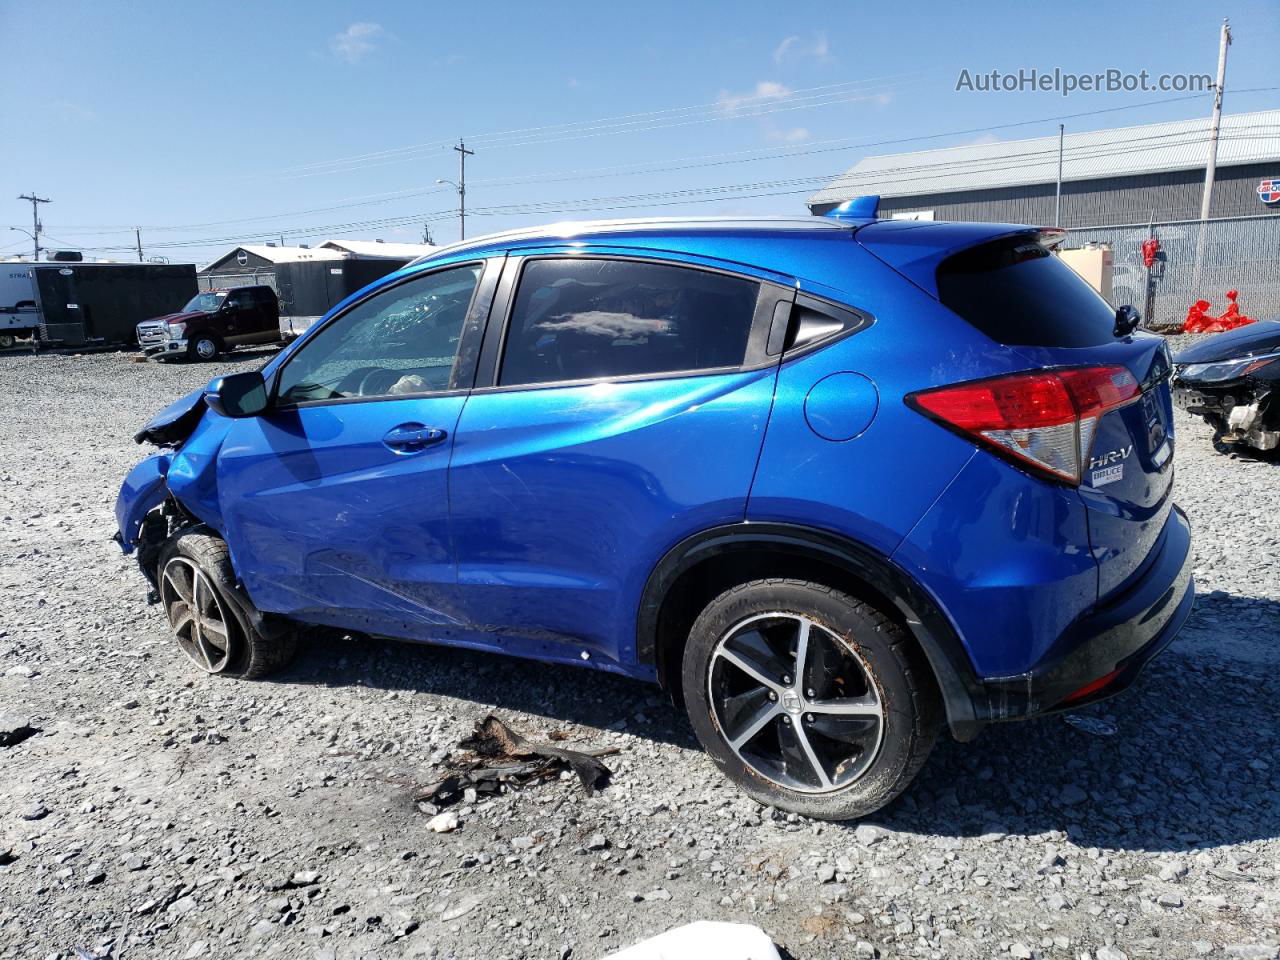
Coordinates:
column 231, row 305
column 1127, row 320
column 237, row 395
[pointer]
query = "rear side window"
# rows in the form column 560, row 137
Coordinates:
column 585, row 319
column 1017, row 293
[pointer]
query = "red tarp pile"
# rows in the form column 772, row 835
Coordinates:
column 1199, row 321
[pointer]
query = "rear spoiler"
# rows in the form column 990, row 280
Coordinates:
column 915, row 248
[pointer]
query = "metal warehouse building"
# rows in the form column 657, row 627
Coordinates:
column 1133, row 175
column 309, row 280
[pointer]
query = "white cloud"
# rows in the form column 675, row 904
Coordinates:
column 357, row 41
column 794, row 135
column 781, row 50
column 765, row 92
column 796, row 47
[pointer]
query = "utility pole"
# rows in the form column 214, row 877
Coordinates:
column 1211, row 165
column 1224, row 41
column 463, row 153
column 137, row 235
column 426, row 234
column 1057, row 193
column 35, row 219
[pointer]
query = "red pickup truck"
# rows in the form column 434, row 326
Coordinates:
column 213, row 322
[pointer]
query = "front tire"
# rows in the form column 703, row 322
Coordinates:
column 204, row 347
column 7, row 340
column 809, row 700
column 206, row 617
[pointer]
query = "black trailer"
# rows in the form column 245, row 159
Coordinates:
column 85, row 304
column 311, row 288
column 307, row 289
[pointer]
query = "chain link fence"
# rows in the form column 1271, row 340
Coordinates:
column 1197, row 260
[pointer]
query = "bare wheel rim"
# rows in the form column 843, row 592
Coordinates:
column 206, row 349
column 197, row 617
column 795, row 703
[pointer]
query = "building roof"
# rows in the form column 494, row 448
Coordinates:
column 377, row 248
column 1126, row 151
column 289, row 254
column 274, row 254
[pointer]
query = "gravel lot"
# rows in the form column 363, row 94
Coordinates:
column 160, row 813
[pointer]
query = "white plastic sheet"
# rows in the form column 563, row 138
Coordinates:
column 703, row 940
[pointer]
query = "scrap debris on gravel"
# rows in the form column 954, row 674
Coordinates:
column 164, row 814
column 502, row 759
column 14, row 730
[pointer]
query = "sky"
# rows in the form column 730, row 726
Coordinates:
column 213, row 124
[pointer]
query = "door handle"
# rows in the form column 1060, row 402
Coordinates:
column 412, row 437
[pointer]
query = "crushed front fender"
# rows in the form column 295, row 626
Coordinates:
column 143, row 490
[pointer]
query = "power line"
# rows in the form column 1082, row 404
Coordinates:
column 713, row 160
column 713, row 193
column 741, row 104
column 1117, row 147
column 706, row 194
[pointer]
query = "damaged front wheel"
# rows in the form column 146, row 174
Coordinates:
column 212, row 622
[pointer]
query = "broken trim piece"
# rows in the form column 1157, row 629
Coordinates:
column 504, row 758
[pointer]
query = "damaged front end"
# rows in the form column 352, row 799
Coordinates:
column 1232, row 381
column 174, row 487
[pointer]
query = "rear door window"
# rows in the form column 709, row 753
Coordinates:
column 586, row 319
column 1018, row 293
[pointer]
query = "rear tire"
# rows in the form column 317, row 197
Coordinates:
column 207, row 617
column 839, row 739
column 7, row 340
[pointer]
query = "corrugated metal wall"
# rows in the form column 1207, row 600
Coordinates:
column 1136, row 199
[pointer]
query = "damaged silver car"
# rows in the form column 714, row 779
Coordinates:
column 1232, row 380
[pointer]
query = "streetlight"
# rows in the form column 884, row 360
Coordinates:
column 32, row 236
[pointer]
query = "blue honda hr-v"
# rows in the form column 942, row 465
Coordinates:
column 832, row 482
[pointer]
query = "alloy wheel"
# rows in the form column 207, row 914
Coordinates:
column 197, row 617
column 206, row 349
column 795, row 702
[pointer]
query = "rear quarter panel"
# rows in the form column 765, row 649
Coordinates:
column 874, row 486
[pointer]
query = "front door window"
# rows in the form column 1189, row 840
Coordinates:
column 400, row 342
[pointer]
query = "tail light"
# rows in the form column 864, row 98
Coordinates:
column 1044, row 419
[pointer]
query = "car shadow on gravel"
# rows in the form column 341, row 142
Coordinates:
column 561, row 694
column 1191, row 762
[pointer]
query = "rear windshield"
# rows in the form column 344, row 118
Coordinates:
column 1018, row 293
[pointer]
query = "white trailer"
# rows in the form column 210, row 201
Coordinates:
column 19, row 316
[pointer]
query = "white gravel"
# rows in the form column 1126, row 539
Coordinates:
column 160, row 813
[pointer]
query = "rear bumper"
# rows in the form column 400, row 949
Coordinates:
column 1109, row 648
